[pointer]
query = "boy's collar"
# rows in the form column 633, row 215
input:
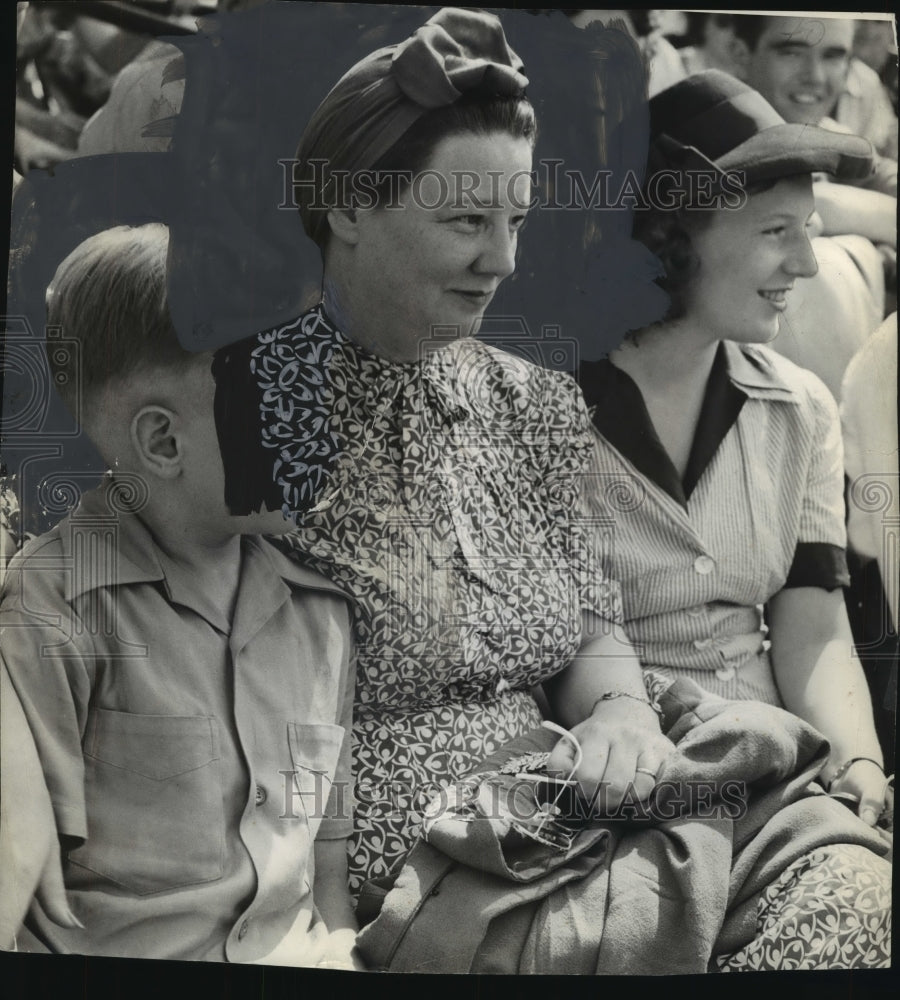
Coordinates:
column 120, row 552
column 127, row 554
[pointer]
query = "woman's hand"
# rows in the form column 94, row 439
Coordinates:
column 865, row 782
column 622, row 753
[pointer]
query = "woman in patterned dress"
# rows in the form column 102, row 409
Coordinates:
column 447, row 497
column 735, row 456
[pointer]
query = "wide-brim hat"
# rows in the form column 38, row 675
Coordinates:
column 712, row 121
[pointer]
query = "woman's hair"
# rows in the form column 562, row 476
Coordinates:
column 472, row 113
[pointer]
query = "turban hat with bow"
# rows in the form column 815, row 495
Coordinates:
column 456, row 53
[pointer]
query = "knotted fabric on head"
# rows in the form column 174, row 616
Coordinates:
column 457, row 52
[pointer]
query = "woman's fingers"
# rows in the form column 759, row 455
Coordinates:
column 619, row 764
column 646, row 772
column 871, row 802
column 618, row 779
column 865, row 783
column 561, row 759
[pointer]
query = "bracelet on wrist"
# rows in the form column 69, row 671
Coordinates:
column 612, row 695
column 845, row 767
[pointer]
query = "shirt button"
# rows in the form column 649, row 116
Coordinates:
column 725, row 673
column 702, row 643
column 696, row 611
column 242, row 932
column 261, row 795
column 704, row 565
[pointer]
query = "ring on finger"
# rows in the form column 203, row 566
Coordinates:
column 645, row 770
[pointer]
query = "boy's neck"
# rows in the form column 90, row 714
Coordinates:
column 211, row 559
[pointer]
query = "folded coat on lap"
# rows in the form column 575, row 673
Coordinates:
column 653, row 897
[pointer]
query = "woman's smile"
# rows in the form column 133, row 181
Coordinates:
column 776, row 297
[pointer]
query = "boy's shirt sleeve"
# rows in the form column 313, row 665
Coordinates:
column 28, row 841
column 52, row 676
column 337, row 823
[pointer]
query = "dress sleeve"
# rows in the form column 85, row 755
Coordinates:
column 566, row 463
column 820, row 556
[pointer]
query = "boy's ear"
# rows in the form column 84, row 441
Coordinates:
column 156, row 442
column 344, row 223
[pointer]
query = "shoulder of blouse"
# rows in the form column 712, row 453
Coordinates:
column 806, row 388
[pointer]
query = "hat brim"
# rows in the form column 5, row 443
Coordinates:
column 783, row 150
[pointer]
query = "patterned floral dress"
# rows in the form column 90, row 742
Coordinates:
column 450, row 514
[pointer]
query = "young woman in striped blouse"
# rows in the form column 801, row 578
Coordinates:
column 730, row 547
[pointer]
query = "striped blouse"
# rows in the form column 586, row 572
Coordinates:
column 760, row 508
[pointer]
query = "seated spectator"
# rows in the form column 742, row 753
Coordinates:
column 869, row 418
column 802, row 65
column 194, row 786
column 865, row 109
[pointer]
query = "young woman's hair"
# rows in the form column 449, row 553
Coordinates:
column 109, row 295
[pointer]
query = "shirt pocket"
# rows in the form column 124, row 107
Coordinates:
column 315, row 749
column 153, row 793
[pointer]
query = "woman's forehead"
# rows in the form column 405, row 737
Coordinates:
column 788, row 195
column 492, row 170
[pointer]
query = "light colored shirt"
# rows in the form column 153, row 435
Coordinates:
column 865, row 109
column 869, row 415
column 831, row 315
column 191, row 760
column 760, row 508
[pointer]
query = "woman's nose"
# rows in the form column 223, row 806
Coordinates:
column 498, row 256
column 802, row 263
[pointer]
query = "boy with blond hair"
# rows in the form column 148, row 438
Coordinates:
column 188, row 687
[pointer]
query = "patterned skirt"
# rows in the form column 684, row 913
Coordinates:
column 402, row 759
column 830, row 909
